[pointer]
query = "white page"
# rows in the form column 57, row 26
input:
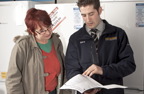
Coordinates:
column 82, row 83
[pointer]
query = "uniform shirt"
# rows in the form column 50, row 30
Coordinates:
column 100, row 29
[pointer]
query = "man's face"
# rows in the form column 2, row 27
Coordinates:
column 90, row 15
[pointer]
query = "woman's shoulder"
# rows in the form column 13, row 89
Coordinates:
column 55, row 37
column 24, row 38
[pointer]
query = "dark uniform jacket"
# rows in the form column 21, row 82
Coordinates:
column 115, row 56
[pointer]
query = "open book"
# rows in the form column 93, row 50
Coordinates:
column 83, row 83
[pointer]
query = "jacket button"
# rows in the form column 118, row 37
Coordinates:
column 46, row 74
column 44, row 57
column 47, row 92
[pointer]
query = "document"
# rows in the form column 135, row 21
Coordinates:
column 83, row 83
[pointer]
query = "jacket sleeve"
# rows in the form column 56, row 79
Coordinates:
column 72, row 59
column 14, row 83
column 125, row 64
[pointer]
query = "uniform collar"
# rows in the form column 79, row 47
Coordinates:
column 100, row 28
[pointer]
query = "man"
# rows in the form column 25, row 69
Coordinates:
column 106, row 57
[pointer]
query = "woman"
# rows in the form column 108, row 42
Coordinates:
column 36, row 63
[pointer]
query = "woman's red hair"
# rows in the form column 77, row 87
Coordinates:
column 36, row 17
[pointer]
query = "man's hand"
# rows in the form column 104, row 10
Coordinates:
column 93, row 69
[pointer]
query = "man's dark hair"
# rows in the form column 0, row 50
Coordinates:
column 95, row 3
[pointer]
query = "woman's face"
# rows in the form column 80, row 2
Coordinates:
column 43, row 33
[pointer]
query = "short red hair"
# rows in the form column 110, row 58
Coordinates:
column 36, row 17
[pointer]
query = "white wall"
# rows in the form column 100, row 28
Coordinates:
column 67, row 1
column 74, row 1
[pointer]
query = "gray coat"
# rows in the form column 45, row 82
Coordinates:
column 26, row 70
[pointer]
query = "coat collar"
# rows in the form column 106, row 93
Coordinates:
column 32, row 41
column 108, row 29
